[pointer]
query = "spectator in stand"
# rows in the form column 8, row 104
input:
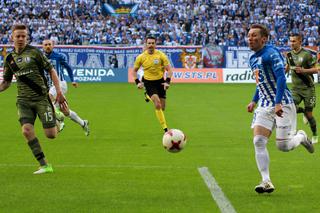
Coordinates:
column 82, row 22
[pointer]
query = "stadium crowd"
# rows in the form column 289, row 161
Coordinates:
column 175, row 22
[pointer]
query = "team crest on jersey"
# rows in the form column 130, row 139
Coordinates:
column 190, row 58
column 19, row 60
column 156, row 61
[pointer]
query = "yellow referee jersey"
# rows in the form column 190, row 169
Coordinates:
column 152, row 64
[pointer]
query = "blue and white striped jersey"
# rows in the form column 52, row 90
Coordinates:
column 59, row 62
column 269, row 68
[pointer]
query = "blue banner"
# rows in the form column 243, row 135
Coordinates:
column 99, row 75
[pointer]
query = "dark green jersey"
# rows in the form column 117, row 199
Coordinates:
column 305, row 60
column 28, row 67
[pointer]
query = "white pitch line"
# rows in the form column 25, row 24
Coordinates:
column 222, row 201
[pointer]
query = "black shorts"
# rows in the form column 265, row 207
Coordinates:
column 155, row 87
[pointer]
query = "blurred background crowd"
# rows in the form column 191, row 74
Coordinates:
column 175, row 22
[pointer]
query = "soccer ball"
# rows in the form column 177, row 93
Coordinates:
column 174, row 140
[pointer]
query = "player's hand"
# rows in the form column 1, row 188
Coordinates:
column 75, row 84
column 278, row 110
column 251, row 106
column 60, row 99
column 140, row 85
column 64, row 107
column 166, row 85
column 299, row 70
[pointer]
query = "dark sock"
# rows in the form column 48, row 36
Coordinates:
column 313, row 125
column 300, row 110
column 37, row 151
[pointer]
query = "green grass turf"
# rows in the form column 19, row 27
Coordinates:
column 122, row 167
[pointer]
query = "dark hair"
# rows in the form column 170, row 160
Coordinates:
column 150, row 36
column 19, row 27
column 263, row 29
column 300, row 37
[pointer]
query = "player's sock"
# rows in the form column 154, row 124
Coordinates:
column 290, row 144
column 300, row 110
column 161, row 118
column 313, row 125
column 74, row 117
column 147, row 97
column 37, row 151
column 296, row 140
column 262, row 156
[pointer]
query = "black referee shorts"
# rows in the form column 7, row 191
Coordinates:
column 155, row 87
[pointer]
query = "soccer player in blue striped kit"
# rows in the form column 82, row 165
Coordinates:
column 59, row 62
column 275, row 105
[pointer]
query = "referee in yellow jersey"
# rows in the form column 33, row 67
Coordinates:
column 154, row 63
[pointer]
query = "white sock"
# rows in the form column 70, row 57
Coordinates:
column 262, row 156
column 296, row 140
column 290, row 144
column 74, row 117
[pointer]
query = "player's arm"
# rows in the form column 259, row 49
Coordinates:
column 7, row 77
column 254, row 101
column 279, row 71
column 55, row 80
column 312, row 66
column 4, row 85
column 64, row 63
column 168, row 69
column 137, row 65
column 312, row 70
column 287, row 68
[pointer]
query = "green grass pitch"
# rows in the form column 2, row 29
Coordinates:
column 122, row 166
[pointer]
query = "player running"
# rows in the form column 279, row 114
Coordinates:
column 59, row 62
column 275, row 105
column 154, row 63
column 302, row 65
column 29, row 65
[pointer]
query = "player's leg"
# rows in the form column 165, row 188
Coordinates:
column 159, row 112
column 72, row 114
column 77, row 119
column 310, row 103
column 155, row 89
column 146, row 97
column 297, row 98
column 313, row 125
column 262, row 125
column 47, row 116
column 27, row 116
column 286, row 136
column 59, row 115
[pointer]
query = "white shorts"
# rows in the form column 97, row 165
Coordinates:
column 64, row 89
column 285, row 125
